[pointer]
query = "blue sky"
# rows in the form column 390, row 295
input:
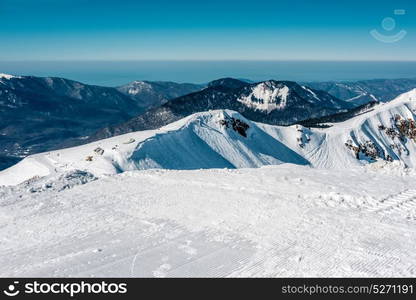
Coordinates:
column 207, row 30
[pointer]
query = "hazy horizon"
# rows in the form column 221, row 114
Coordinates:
column 113, row 73
column 106, row 43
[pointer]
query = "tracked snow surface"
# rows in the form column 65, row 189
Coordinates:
column 215, row 194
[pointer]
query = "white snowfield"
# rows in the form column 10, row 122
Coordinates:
column 257, row 201
column 7, row 76
column 285, row 220
column 138, row 86
column 268, row 96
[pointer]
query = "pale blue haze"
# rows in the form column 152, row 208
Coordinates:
column 88, row 40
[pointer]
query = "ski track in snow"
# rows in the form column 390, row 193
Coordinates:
column 277, row 221
column 403, row 203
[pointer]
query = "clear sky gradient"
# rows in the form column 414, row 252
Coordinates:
column 203, row 30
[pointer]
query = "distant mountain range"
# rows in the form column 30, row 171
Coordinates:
column 361, row 92
column 226, row 139
column 271, row 102
column 44, row 113
column 155, row 93
column 39, row 114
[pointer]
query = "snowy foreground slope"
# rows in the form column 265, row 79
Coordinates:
column 339, row 201
column 285, row 220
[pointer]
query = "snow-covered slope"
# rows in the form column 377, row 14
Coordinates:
column 360, row 92
column 385, row 133
column 278, row 221
column 216, row 139
column 225, row 139
column 38, row 114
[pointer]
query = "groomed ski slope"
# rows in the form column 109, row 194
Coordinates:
column 202, row 141
column 284, row 220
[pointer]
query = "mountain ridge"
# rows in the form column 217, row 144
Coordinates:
column 149, row 94
column 365, row 91
column 45, row 113
column 226, row 139
column 273, row 102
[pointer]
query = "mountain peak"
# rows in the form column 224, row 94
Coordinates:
column 228, row 82
column 136, row 87
column 149, row 94
column 222, row 138
column 267, row 96
column 273, row 95
column 272, row 102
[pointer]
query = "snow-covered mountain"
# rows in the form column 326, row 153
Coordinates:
column 216, row 139
column 7, row 76
column 337, row 202
column 271, row 102
column 150, row 94
column 226, row 139
column 39, row 114
column 387, row 132
column 361, row 92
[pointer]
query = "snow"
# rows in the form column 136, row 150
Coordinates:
column 7, row 76
column 198, row 198
column 138, row 86
column 284, row 220
column 358, row 97
column 266, row 97
column 34, row 166
column 198, row 141
column 201, row 142
column 311, row 92
column 365, row 128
